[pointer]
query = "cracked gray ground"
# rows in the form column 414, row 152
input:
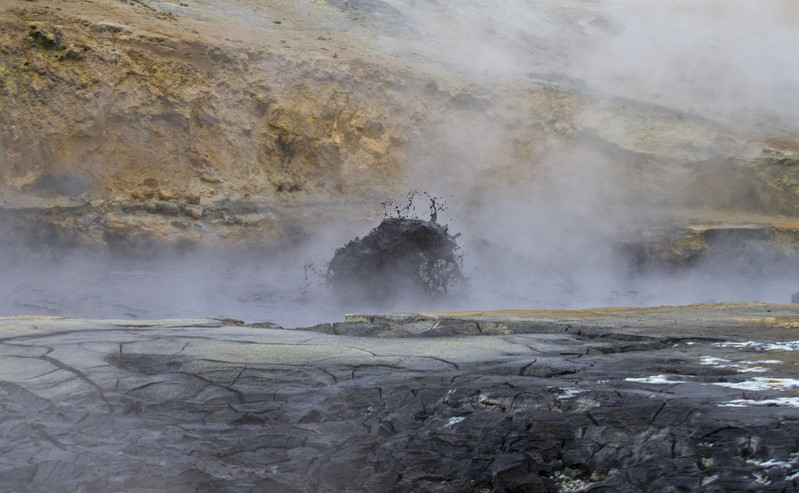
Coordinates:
column 593, row 404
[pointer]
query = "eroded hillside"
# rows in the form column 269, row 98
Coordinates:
column 123, row 123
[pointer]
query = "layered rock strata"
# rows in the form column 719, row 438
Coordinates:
column 154, row 122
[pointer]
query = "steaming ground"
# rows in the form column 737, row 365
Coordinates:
column 258, row 289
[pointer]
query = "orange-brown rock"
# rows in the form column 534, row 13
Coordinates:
column 299, row 109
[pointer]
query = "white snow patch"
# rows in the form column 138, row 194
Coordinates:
column 778, row 402
column 761, row 478
column 761, row 346
column 762, row 383
column 711, row 361
column 775, row 463
column 741, row 366
column 659, row 379
column 570, row 392
column 453, row 421
column 789, row 465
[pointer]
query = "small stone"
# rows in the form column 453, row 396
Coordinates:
column 166, row 195
column 193, row 199
column 193, row 211
column 143, row 194
column 168, row 208
column 209, row 178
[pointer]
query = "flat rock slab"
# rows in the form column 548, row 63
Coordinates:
column 696, row 398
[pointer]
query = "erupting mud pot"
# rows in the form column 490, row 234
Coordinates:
column 403, row 257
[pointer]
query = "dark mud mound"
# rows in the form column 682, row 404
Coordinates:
column 401, row 257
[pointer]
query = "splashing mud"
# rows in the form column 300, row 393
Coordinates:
column 401, row 257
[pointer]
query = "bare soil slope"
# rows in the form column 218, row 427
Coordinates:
column 208, row 121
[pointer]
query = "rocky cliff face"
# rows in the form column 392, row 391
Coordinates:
column 130, row 122
column 151, row 131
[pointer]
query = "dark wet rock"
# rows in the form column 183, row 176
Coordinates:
column 167, row 208
column 586, row 404
column 400, row 257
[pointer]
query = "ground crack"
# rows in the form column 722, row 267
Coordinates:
column 60, row 364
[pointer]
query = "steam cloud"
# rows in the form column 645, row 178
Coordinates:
column 551, row 239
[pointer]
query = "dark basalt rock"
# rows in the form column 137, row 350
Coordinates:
column 399, row 257
column 587, row 403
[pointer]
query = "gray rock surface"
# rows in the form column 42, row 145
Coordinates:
column 697, row 398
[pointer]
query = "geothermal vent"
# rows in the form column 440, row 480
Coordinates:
column 401, row 257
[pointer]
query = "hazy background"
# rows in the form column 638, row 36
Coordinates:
column 550, row 243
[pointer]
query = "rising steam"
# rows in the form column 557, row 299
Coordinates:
column 634, row 80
